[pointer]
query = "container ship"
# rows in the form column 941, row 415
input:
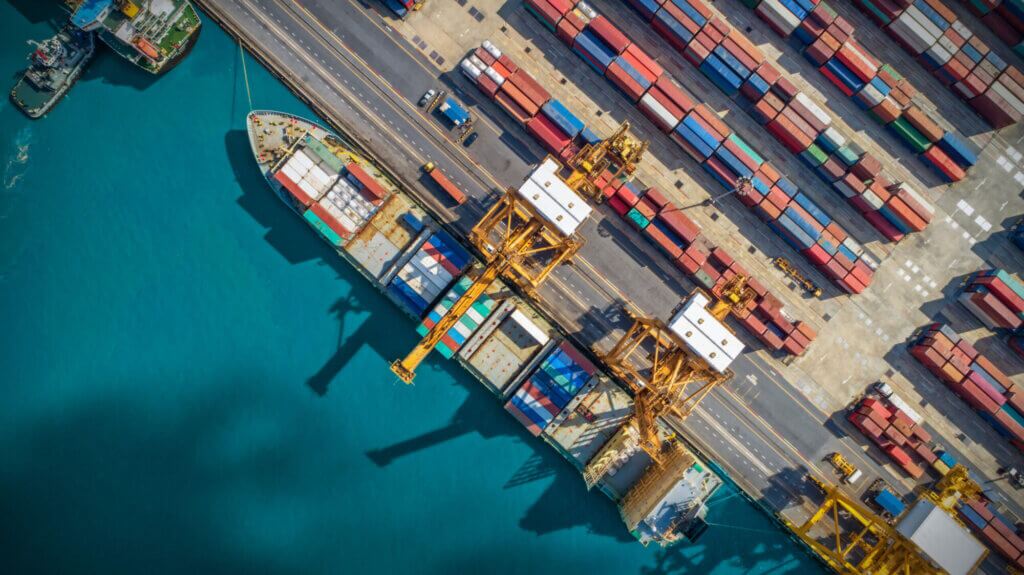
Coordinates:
column 544, row 381
column 152, row 34
column 56, row 64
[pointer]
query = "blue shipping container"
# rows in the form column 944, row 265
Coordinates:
column 886, row 500
column 692, row 13
column 677, row 29
column 720, row 75
column 700, row 132
column 811, row 208
column 593, row 51
column 844, row 74
column 563, row 118
column 959, row 150
column 732, row 62
column 633, row 72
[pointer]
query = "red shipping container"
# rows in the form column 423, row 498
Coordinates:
column 793, row 347
column 675, row 93
column 1001, row 291
column 548, row 134
column 522, row 101
column 566, row 32
column 484, row 56
column 679, row 223
column 753, row 325
column 999, row 543
column 487, row 85
column 618, row 205
column 547, row 12
column 331, row 222
column 624, row 81
column 816, row 255
column 663, row 243
column 607, row 32
column 643, row 60
column 530, row 88
column 771, row 340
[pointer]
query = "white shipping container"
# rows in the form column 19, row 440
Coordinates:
column 852, row 245
column 872, row 95
column 913, row 34
column 933, row 31
column 835, row 136
column 494, row 75
column 961, row 29
column 553, row 200
column 589, row 12
column 419, row 285
column 871, row 199
column 925, row 204
column 663, row 118
column 948, row 45
column 1009, row 98
column 291, row 174
column 471, row 71
column 310, row 190
column 491, row 49
column 814, row 109
column 938, row 54
column 897, row 401
column 778, row 15
column 529, row 327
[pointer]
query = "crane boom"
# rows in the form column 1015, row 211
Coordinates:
column 518, row 245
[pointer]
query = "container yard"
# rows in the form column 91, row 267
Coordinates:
column 723, row 105
column 948, row 48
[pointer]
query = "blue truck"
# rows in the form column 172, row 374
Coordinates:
column 454, row 112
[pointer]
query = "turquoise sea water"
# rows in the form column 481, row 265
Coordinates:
column 166, row 321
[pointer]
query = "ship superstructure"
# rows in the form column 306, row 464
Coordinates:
column 55, row 65
column 152, row 34
column 544, row 381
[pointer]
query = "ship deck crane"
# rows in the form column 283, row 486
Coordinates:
column 859, row 542
column 619, row 154
column 523, row 237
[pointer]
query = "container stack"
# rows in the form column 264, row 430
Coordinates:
column 803, row 126
column 666, row 226
column 901, row 438
column 970, row 375
column 429, row 272
column 523, row 98
column 468, row 322
column 723, row 154
column 336, row 199
column 994, row 297
column 994, row 530
column 946, row 47
column 827, row 41
column 544, row 394
column 1004, row 17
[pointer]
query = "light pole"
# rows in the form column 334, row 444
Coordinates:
column 741, row 184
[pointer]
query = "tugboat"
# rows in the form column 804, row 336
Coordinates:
column 56, row 64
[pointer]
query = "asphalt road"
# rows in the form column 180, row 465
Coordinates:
column 367, row 79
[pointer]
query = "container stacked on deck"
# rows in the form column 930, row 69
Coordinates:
column 739, row 69
column 429, row 272
column 708, row 140
column 1004, row 17
column 975, row 379
column 666, row 226
column 547, row 391
column 946, row 47
column 336, row 198
column 468, row 322
column 827, row 41
column 994, row 297
column 993, row 529
column 526, row 101
column 901, row 438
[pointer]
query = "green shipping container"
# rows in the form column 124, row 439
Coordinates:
column 1011, row 282
column 814, row 155
column 323, row 228
column 321, row 150
column 892, row 72
column 847, row 156
column 703, row 279
column 910, row 135
column 637, row 218
column 874, row 10
column 746, row 148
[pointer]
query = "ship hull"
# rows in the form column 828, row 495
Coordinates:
column 22, row 92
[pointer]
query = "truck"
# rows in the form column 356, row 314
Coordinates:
column 850, row 473
column 454, row 112
column 401, row 8
column 444, row 183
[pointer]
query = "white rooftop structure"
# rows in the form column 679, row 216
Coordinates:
column 709, row 338
column 553, row 200
column 947, row 543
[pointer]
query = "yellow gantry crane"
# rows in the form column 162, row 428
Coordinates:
column 858, row 541
column 736, row 294
column 664, row 378
column 518, row 242
column 618, row 154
